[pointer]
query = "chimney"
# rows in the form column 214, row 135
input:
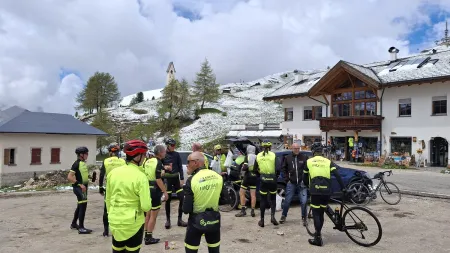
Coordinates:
column 298, row 77
column 393, row 52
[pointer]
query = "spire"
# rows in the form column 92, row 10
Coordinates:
column 446, row 40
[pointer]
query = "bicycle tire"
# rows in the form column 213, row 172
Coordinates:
column 355, row 199
column 391, row 186
column 364, row 209
column 233, row 201
column 310, row 223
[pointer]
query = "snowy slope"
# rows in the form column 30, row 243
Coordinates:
column 147, row 96
column 243, row 106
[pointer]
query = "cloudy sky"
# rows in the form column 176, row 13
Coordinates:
column 49, row 48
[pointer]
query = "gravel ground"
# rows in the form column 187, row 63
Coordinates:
column 41, row 224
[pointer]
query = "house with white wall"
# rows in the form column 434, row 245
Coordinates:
column 394, row 107
column 257, row 133
column 33, row 143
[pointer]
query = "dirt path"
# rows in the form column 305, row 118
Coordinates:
column 41, row 224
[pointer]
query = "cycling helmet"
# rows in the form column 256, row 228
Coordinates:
column 170, row 141
column 217, row 147
column 316, row 150
column 113, row 147
column 266, row 144
column 81, row 150
column 135, row 147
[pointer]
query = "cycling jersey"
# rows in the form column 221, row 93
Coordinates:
column 173, row 157
column 81, row 172
column 317, row 175
column 108, row 165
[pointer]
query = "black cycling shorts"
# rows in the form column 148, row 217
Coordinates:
column 173, row 185
column 249, row 182
column 265, row 188
column 156, row 198
column 319, row 201
column 194, row 236
column 133, row 244
column 81, row 196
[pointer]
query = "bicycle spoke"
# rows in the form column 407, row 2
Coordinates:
column 362, row 228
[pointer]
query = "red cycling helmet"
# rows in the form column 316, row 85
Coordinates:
column 135, row 147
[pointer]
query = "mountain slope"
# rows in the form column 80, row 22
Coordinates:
column 244, row 105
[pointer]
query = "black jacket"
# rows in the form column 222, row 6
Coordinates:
column 293, row 166
column 175, row 159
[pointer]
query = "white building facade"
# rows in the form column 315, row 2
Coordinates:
column 394, row 108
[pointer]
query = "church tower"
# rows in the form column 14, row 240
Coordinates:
column 446, row 40
column 170, row 72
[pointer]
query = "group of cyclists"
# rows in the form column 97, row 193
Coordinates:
column 135, row 190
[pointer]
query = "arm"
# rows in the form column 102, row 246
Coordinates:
column 244, row 165
column 188, row 202
column 180, row 168
column 159, row 180
column 71, row 177
column 285, row 169
column 306, row 174
column 337, row 175
column 143, row 192
column 108, row 192
column 102, row 177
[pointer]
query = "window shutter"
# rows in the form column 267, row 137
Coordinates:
column 285, row 114
column 439, row 98
column 35, row 155
column 55, row 155
column 404, row 101
column 6, row 155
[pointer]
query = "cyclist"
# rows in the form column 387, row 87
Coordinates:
column 153, row 168
column 220, row 157
column 78, row 176
column 250, row 181
column 203, row 191
column 174, row 175
column 266, row 167
column 317, row 176
column 110, row 163
column 127, row 198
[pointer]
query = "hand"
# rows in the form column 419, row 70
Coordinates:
column 223, row 173
column 181, row 182
column 83, row 188
column 166, row 196
column 168, row 167
column 102, row 191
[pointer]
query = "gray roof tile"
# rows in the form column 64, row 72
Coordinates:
column 19, row 120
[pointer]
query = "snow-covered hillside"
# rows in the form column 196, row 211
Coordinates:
column 244, row 105
column 148, row 95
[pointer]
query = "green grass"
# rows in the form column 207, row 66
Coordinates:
column 208, row 110
column 139, row 111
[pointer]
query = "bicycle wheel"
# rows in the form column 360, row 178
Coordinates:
column 232, row 201
column 310, row 223
column 390, row 190
column 359, row 194
column 360, row 226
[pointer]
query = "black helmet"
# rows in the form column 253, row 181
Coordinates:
column 170, row 141
column 113, row 147
column 81, row 150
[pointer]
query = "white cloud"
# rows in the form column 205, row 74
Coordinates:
column 242, row 39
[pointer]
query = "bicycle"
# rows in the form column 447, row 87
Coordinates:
column 233, row 196
column 338, row 217
column 362, row 194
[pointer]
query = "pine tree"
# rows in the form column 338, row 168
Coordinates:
column 206, row 89
column 76, row 114
column 175, row 104
column 100, row 92
column 103, row 122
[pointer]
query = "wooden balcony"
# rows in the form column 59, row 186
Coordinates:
column 351, row 123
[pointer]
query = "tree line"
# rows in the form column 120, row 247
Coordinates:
column 175, row 108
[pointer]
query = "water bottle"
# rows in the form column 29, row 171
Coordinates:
column 336, row 215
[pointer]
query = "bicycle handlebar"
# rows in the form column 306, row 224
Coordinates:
column 387, row 171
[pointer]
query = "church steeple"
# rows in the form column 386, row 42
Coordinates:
column 170, row 72
column 446, row 40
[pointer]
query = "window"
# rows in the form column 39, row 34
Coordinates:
column 312, row 112
column 342, row 110
column 371, row 108
column 55, row 155
column 343, row 96
column 404, row 107
column 440, row 105
column 9, row 156
column 400, row 145
column 288, row 114
column 359, row 109
column 36, row 156
column 308, row 113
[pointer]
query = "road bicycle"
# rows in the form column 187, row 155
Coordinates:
column 357, row 225
column 362, row 193
column 232, row 202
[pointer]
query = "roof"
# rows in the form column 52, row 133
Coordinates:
column 170, row 65
column 431, row 64
column 18, row 120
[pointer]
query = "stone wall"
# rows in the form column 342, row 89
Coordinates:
column 11, row 179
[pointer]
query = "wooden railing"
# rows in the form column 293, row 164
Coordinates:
column 353, row 123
